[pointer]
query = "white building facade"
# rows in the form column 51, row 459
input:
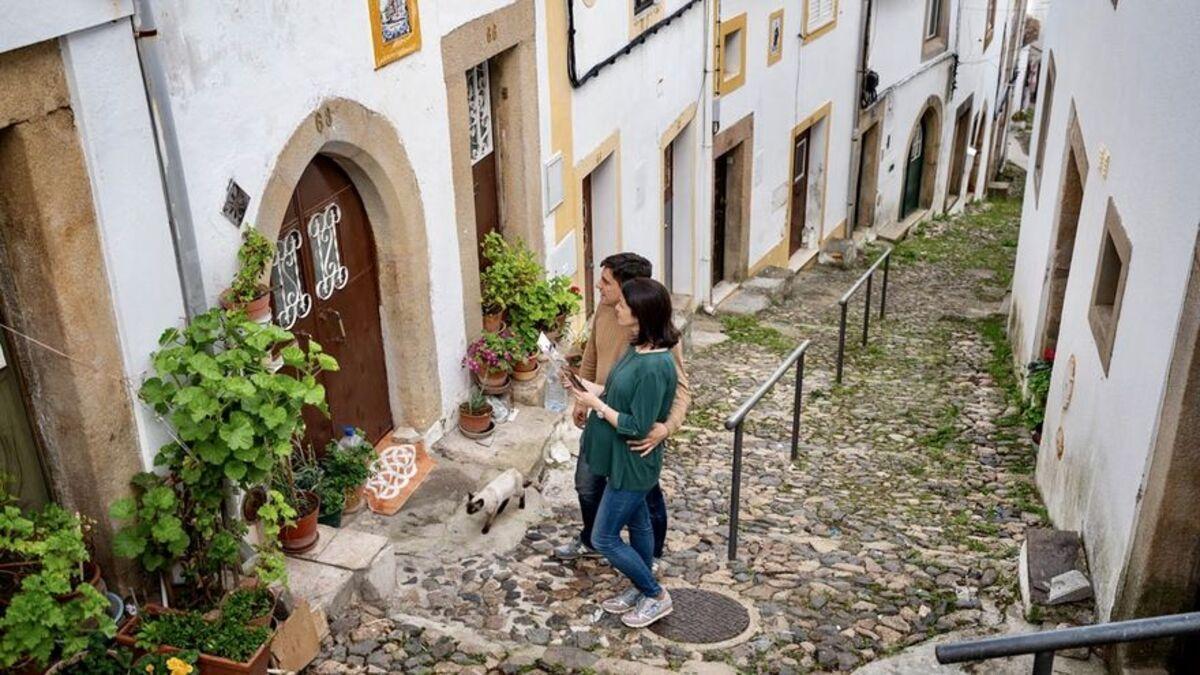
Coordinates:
column 1106, row 284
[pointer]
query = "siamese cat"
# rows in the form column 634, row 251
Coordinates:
column 495, row 495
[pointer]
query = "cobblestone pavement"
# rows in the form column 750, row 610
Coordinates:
column 901, row 519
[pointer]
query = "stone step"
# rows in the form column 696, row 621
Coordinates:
column 343, row 564
column 743, row 302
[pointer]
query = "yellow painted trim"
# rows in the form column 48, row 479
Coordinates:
column 724, row 85
column 562, row 138
column 775, row 57
column 809, row 37
column 838, row 231
column 386, row 52
column 777, row 257
column 609, row 147
column 638, row 23
column 668, row 136
column 821, row 113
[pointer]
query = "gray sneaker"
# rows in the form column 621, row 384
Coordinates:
column 574, row 550
column 659, row 565
column 648, row 611
column 624, row 602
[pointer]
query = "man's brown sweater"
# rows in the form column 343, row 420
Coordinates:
column 608, row 341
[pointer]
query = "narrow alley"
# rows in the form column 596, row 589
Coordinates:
column 900, row 521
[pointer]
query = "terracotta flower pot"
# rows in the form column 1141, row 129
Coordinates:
column 474, row 422
column 494, row 379
column 303, row 535
column 526, row 370
column 91, row 576
column 493, row 323
column 207, row 664
column 258, row 309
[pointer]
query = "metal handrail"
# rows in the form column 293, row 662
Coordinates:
column 1043, row 645
column 866, row 277
column 735, row 421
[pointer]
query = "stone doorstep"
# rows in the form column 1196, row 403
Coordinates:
column 344, row 563
column 743, row 302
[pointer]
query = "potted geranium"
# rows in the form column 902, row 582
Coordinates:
column 490, row 358
column 475, row 414
column 52, row 610
column 226, row 646
column 247, row 292
column 567, row 299
column 511, row 268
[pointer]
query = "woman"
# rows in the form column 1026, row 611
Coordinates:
column 638, row 393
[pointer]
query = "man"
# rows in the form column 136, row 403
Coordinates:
column 604, row 347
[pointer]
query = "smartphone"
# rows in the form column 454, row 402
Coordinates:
column 578, row 383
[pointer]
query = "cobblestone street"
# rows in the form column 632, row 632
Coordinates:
column 901, row 520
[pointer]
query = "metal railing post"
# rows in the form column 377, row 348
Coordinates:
column 1043, row 663
column 887, row 261
column 796, row 408
column 735, row 492
column 841, row 344
column 867, row 310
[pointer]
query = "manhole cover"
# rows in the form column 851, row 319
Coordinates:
column 702, row 617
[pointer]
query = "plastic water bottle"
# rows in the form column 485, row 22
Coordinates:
column 556, row 396
column 350, row 438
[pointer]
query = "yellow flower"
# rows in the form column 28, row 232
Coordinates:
column 178, row 666
column 149, row 667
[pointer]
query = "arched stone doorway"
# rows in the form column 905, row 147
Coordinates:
column 365, row 147
column 920, row 163
column 326, row 289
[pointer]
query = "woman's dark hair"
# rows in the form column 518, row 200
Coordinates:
column 626, row 266
column 650, row 303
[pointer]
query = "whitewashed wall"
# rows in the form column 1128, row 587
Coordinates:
column 638, row 97
column 1109, row 426
column 243, row 75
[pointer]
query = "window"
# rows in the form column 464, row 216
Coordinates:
column 991, row 23
column 1109, row 286
column 1044, row 126
column 640, row 6
column 731, row 60
column 933, row 19
column 935, row 31
column 820, row 16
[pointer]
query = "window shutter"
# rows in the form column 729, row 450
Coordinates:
column 820, row 12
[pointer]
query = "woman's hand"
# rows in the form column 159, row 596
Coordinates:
column 591, row 387
column 584, row 397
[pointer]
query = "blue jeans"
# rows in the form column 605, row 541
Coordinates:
column 590, row 489
column 620, row 509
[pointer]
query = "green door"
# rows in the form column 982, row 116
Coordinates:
column 912, row 173
column 20, row 461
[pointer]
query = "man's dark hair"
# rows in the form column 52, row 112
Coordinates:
column 626, row 266
column 650, row 303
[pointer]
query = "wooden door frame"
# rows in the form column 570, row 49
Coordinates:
column 609, row 148
column 741, row 133
column 933, row 148
column 366, row 145
column 809, row 123
column 507, row 38
column 964, row 111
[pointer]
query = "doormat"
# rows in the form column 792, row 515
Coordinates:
column 395, row 475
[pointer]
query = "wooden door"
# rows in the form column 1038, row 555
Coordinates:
column 912, row 172
column 720, row 208
column 484, row 169
column 20, row 459
column 327, row 289
column 589, row 257
column 797, row 238
column 958, row 164
column 669, row 216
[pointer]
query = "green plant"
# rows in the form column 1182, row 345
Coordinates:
column 190, row 631
column 511, row 269
column 347, row 468
column 55, row 612
column 310, row 476
column 254, row 255
column 476, row 403
column 100, row 659
column 234, row 420
column 492, row 352
column 245, row 604
column 1037, row 383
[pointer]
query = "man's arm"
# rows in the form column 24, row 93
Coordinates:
column 587, row 368
column 683, row 393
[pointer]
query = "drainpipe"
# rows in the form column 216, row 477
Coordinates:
column 170, row 164
column 864, row 42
